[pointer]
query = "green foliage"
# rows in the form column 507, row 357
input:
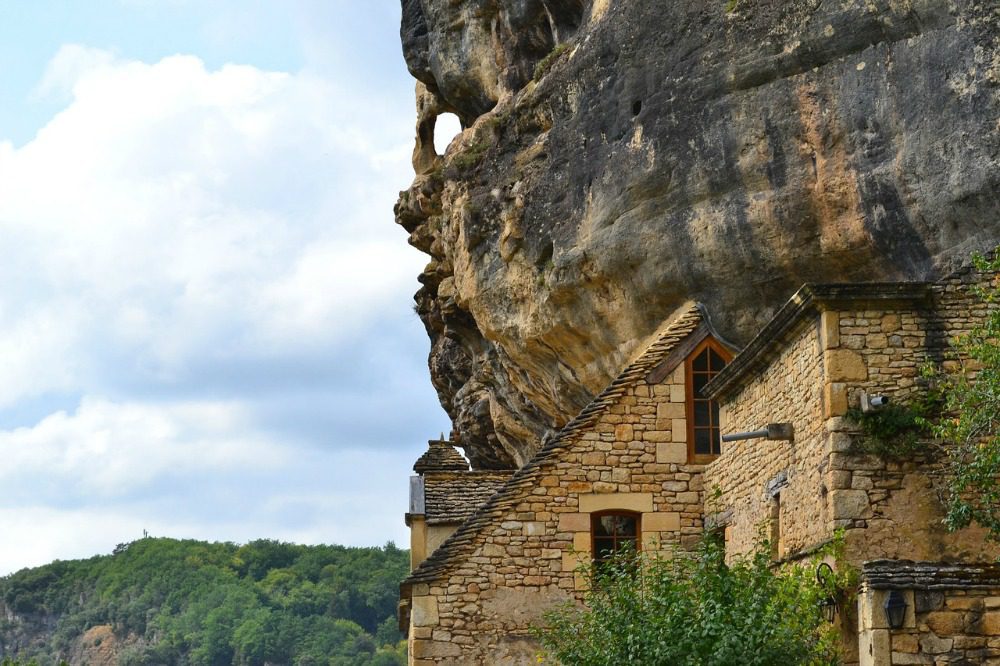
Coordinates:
column 695, row 610
column 731, row 6
column 191, row 602
column 895, row 432
column 971, row 399
column 543, row 65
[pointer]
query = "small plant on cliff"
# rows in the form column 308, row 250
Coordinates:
column 543, row 65
column 695, row 610
column 970, row 391
column 466, row 160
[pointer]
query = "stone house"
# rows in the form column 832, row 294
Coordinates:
column 644, row 464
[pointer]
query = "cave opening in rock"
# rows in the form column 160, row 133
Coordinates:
column 636, row 107
column 446, row 129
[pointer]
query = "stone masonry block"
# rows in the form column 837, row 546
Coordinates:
column 671, row 452
column 849, row 504
column 430, row 649
column 669, row 410
column 661, row 522
column 623, row 433
column 834, row 399
column 829, row 328
column 890, row 323
column 574, row 522
column 424, row 612
column 572, row 561
column 844, row 365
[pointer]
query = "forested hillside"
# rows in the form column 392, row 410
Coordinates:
column 164, row 601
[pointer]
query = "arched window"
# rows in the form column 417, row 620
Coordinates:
column 613, row 532
column 704, row 362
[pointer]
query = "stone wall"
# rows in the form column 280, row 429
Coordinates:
column 773, row 485
column 839, row 347
column 952, row 614
column 633, row 457
column 892, row 509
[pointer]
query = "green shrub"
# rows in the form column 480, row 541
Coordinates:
column 971, row 403
column 695, row 610
column 895, row 432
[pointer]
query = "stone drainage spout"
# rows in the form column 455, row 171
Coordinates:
column 781, row 431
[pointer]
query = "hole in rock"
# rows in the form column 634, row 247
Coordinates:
column 636, row 107
column 544, row 260
column 445, row 131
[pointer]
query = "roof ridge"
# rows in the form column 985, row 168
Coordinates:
column 678, row 328
column 440, row 456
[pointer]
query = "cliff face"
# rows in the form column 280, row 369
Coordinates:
column 620, row 158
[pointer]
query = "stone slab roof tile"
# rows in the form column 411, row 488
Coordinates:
column 464, row 540
column 453, row 497
column 906, row 574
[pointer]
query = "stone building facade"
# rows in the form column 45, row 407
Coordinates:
column 636, row 454
column 443, row 495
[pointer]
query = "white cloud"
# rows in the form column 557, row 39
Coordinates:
column 106, row 450
column 172, row 236
column 168, row 205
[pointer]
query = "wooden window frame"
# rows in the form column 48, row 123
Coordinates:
column 708, row 342
column 597, row 515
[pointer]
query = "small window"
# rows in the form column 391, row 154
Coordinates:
column 614, row 532
column 775, row 527
column 704, row 363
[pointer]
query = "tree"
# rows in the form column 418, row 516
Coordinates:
column 970, row 390
column 695, row 610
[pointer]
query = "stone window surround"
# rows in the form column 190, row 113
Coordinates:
column 597, row 515
column 651, row 524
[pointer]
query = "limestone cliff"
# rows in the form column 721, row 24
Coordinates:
column 622, row 157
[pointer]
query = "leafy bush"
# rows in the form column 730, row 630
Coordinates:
column 971, row 396
column 695, row 610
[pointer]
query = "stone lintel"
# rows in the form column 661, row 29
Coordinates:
column 638, row 502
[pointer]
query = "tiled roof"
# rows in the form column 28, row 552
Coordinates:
column 451, row 497
column 440, row 456
column 465, row 539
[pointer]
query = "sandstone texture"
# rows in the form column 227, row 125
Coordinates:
column 620, row 158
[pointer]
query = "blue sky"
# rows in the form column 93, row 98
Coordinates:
column 205, row 326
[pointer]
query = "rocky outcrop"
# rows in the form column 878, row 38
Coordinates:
column 620, row 158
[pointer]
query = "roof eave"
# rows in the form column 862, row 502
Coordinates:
column 809, row 299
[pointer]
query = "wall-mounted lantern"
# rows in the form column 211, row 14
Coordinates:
column 895, row 609
column 827, row 605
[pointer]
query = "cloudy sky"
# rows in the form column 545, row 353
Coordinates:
column 205, row 312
